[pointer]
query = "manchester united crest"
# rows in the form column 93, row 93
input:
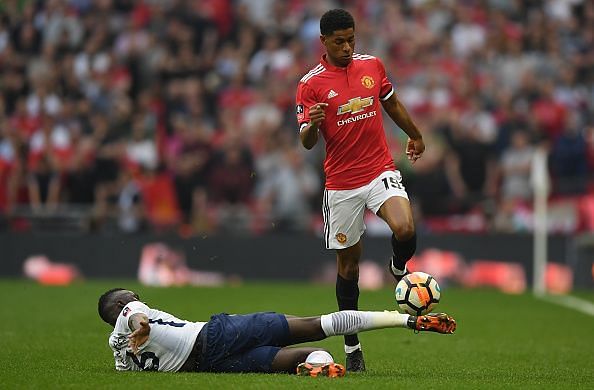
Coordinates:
column 367, row 82
column 341, row 238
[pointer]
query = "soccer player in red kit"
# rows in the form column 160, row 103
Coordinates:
column 340, row 98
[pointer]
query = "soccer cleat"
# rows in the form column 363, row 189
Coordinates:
column 331, row 370
column 395, row 272
column 433, row 322
column 355, row 361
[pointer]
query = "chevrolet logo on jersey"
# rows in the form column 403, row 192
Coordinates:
column 355, row 105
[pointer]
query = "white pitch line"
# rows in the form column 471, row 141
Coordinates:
column 572, row 302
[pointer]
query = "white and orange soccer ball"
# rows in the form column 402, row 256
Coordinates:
column 417, row 293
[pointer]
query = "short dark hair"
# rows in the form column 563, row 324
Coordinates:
column 104, row 303
column 336, row 19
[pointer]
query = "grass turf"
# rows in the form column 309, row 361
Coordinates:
column 52, row 337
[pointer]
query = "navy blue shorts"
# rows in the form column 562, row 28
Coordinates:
column 243, row 343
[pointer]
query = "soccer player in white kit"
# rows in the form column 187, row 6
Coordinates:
column 145, row 339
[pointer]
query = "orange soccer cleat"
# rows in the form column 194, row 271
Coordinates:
column 433, row 322
column 331, row 370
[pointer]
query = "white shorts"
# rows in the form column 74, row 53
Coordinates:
column 343, row 209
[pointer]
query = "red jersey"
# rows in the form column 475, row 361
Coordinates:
column 356, row 146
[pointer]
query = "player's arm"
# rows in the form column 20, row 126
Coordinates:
column 118, row 344
column 310, row 115
column 309, row 133
column 396, row 110
column 139, row 324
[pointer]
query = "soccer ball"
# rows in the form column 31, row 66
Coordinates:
column 417, row 293
column 319, row 358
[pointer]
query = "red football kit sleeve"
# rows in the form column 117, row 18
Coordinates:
column 356, row 147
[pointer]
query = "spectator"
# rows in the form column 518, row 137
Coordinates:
column 189, row 156
column 130, row 211
column 569, row 159
column 288, row 191
column 141, row 150
column 10, row 168
column 467, row 35
column 432, row 199
column 471, row 164
column 159, row 200
column 516, row 163
column 549, row 114
column 272, row 58
column 80, row 178
column 230, row 180
column 44, row 186
column 230, row 184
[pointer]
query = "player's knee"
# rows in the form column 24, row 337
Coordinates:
column 349, row 271
column 404, row 232
column 348, row 263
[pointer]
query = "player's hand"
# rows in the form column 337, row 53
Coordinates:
column 317, row 113
column 139, row 336
column 414, row 149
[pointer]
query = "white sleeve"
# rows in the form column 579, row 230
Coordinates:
column 119, row 344
column 130, row 309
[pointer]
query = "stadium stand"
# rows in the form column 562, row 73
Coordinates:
column 131, row 115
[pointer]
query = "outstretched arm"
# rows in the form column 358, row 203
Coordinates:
column 140, row 331
column 396, row 110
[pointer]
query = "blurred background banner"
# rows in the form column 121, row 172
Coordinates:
column 469, row 260
column 125, row 122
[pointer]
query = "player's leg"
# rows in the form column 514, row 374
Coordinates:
column 389, row 200
column 343, row 227
column 347, row 278
column 307, row 329
column 347, row 296
column 304, row 329
column 287, row 359
column 397, row 213
column 257, row 342
column 268, row 359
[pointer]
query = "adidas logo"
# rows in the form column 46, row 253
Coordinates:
column 332, row 94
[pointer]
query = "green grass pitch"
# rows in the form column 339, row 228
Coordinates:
column 52, row 337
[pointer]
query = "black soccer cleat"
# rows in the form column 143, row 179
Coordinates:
column 355, row 361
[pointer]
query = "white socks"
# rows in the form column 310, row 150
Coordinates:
column 352, row 321
column 351, row 348
column 397, row 271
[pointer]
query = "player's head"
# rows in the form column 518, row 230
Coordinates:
column 112, row 302
column 337, row 28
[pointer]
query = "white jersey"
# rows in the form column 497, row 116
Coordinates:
column 167, row 348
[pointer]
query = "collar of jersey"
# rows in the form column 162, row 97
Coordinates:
column 333, row 68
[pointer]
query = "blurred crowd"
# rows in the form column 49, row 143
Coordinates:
column 179, row 114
